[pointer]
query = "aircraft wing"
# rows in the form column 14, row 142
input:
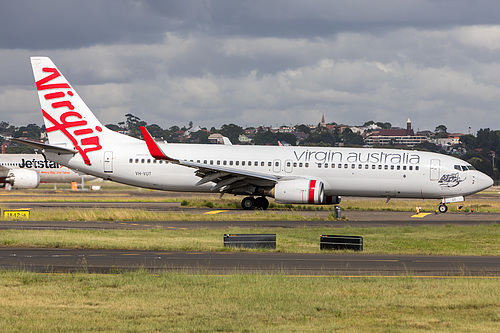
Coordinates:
column 227, row 180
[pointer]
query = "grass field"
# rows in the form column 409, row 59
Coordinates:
column 444, row 240
column 178, row 302
column 181, row 302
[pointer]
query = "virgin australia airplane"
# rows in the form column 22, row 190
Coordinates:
column 29, row 170
column 295, row 175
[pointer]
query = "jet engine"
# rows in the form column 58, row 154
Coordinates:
column 21, row 178
column 299, row 191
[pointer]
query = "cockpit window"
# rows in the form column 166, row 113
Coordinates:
column 464, row 167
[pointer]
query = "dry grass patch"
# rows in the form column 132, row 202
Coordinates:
column 177, row 302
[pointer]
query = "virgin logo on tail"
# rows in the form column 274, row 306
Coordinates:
column 75, row 128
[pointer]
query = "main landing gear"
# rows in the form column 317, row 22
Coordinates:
column 249, row 203
column 443, row 208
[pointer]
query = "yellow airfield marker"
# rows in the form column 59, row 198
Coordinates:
column 213, row 212
column 421, row 215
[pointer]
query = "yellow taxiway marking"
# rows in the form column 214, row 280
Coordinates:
column 421, row 215
column 215, row 212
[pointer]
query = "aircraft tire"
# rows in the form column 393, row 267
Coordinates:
column 262, row 203
column 443, row 208
column 248, row 203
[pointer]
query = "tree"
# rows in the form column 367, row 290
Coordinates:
column 113, row 127
column 303, row 128
column 441, row 131
column 232, row 131
column 385, row 125
column 351, row 138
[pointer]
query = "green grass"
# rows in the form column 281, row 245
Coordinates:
column 441, row 240
column 178, row 302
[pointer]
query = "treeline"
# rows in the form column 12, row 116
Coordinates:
column 480, row 150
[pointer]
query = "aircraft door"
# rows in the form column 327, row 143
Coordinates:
column 288, row 166
column 108, row 161
column 435, row 169
column 276, row 165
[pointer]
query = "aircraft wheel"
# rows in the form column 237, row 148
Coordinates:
column 443, row 208
column 262, row 203
column 248, row 203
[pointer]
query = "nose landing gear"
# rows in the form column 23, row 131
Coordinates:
column 443, row 208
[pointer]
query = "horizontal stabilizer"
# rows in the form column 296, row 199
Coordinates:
column 46, row 147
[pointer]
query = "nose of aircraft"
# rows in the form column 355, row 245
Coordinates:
column 483, row 181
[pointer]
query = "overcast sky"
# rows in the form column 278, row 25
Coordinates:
column 260, row 62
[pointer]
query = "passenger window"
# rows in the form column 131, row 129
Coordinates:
column 380, row 167
column 360, row 166
column 130, row 160
column 218, row 162
column 154, row 161
column 161, row 162
column 417, row 167
column 237, row 162
column 333, row 165
column 353, row 166
column 410, row 167
column 366, row 166
column 142, row 160
column 300, row 165
column 256, row 163
column 136, row 160
column 326, row 165
column 288, row 164
column 319, row 165
column 392, row 167
column 224, row 162
column 386, row 167
column 243, row 163
column 270, row 164
column 373, row 167
column 198, row 161
column 205, row 162
column 211, row 162
column 294, row 164
column 262, row 164
column 276, row 163
column 345, row 166
column 340, row 166
column 404, row 167
column 306, row 165
column 230, row 162
column 398, row 167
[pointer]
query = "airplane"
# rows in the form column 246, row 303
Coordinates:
column 295, row 175
column 26, row 171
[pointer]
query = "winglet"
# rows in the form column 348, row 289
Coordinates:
column 153, row 147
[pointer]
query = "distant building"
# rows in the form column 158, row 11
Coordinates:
column 216, row 138
column 395, row 137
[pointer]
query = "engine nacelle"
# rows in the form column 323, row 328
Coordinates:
column 299, row 191
column 21, row 178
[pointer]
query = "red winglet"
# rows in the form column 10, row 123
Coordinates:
column 153, row 147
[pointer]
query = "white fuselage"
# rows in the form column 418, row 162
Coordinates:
column 344, row 171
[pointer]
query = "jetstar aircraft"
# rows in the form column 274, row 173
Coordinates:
column 29, row 170
column 297, row 175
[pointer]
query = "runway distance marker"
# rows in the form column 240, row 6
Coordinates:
column 17, row 213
